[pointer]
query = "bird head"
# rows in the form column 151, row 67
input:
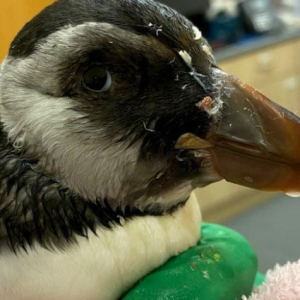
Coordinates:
column 122, row 101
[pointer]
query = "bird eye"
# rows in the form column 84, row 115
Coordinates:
column 97, row 79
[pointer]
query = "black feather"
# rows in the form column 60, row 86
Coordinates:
column 42, row 211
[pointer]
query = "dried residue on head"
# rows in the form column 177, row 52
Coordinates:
column 216, row 108
column 206, row 104
column 156, row 28
column 213, row 104
column 186, row 58
column 207, row 50
column 218, row 90
column 210, row 106
column 188, row 61
column 197, row 33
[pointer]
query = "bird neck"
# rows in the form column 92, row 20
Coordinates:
column 37, row 208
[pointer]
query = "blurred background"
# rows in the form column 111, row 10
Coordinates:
column 258, row 41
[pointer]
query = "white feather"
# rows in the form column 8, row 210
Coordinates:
column 197, row 33
column 103, row 267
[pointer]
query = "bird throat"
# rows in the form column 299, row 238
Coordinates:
column 35, row 208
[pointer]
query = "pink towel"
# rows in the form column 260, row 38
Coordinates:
column 282, row 283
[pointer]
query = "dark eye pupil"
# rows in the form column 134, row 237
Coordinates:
column 95, row 78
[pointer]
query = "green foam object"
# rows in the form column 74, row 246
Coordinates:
column 222, row 266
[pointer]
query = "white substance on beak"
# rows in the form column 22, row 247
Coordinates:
column 293, row 195
column 198, row 33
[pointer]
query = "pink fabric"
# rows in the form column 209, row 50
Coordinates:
column 282, row 283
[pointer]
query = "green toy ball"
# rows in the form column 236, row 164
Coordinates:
column 222, row 266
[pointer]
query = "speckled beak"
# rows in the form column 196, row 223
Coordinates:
column 255, row 142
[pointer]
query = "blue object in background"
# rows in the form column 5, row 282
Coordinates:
column 224, row 29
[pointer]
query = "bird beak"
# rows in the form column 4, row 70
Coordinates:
column 254, row 142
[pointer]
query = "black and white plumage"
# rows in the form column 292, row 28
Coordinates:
column 113, row 146
column 94, row 96
column 91, row 180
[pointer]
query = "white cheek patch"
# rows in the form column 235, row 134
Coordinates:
column 31, row 116
column 197, row 33
column 54, row 129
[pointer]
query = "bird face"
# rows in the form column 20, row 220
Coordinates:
column 122, row 101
